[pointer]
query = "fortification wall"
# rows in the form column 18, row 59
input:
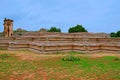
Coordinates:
column 57, row 42
column 82, row 34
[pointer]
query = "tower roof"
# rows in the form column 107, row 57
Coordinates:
column 8, row 20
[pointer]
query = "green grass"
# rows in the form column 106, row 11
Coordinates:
column 70, row 53
column 9, row 63
column 87, row 68
column 73, row 52
column 90, row 68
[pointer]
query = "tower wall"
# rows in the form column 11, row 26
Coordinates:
column 8, row 27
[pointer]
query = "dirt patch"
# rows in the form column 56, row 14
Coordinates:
column 103, row 54
column 29, row 55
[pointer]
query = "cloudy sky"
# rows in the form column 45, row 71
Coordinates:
column 94, row 15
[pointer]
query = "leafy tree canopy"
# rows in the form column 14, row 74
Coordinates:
column 115, row 34
column 54, row 29
column 19, row 31
column 77, row 28
column 42, row 30
column 118, row 34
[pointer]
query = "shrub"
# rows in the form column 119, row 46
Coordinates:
column 70, row 58
column 116, row 59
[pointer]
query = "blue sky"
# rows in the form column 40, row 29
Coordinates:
column 94, row 15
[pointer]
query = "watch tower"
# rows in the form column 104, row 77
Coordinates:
column 8, row 27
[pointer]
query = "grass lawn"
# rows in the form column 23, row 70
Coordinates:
column 27, row 65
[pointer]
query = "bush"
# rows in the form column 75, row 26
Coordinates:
column 116, row 59
column 70, row 58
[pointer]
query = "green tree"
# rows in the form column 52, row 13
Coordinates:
column 113, row 34
column 54, row 29
column 77, row 28
column 19, row 31
column 42, row 30
column 118, row 34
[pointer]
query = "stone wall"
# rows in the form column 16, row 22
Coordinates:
column 57, row 42
column 82, row 34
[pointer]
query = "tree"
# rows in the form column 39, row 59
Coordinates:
column 118, row 34
column 19, row 31
column 113, row 34
column 54, row 29
column 43, row 30
column 77, row 28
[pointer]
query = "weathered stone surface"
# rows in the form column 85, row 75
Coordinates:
column 8, row 27
column 49, row 42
